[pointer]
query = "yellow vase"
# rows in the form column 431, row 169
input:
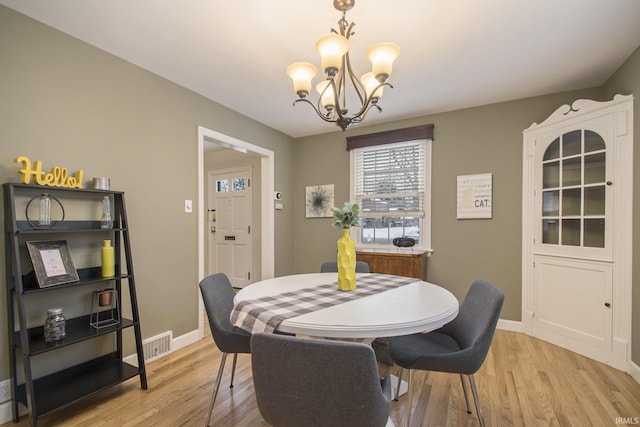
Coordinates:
column 346, row 262
column 108, row 267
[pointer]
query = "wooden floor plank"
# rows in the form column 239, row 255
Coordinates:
column 524, row 382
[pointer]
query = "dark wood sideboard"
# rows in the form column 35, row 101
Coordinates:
column 400, row 264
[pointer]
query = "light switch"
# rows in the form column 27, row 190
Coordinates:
column 188, row 206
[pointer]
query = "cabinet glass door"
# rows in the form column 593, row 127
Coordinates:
column 573, row 190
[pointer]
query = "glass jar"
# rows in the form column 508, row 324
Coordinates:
column 54, row 325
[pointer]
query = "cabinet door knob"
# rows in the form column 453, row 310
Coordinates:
column 608, row 305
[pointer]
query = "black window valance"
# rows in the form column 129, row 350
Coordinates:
column 390, row 136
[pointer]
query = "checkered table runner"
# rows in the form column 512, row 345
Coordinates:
column 265, row 314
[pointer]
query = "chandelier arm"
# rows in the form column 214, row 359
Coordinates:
column 357, row 84
column 322, row 116
column 338, row 110
column 361, row 118
column 343, row 80
column 345, row 26
column 336, row 100
column 368, row 103
column 348, row 31
column 364, row 114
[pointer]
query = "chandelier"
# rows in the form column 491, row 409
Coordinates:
column 334, row 58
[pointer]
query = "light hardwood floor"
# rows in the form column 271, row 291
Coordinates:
column 524, row 382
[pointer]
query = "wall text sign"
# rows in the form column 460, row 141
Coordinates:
column 474, row 196
column 56, row 177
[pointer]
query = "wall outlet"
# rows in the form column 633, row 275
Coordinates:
column 5, row 391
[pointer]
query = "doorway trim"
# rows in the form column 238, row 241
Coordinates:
column 266, row 201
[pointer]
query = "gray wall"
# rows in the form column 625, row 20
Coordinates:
column 627, row 81
column 72, row 105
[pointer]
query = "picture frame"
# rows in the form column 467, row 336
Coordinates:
column 319, row 200
column 52, row 262
column 474, row 196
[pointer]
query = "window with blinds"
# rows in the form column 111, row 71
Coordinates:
column 390, row 185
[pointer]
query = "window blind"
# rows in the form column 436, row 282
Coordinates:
column 390, row 179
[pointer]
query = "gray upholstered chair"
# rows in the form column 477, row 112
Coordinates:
column 459, row 347
column 318, row 383
column 218, row 294
column 332, row 266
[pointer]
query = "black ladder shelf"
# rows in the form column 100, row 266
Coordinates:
column 42, row 378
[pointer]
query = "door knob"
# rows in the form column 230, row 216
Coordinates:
column 608, row 305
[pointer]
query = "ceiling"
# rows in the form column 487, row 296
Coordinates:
column 455, row 53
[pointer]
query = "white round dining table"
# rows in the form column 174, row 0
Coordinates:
column 418, row 306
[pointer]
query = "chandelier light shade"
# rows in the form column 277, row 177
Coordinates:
column 302, row 73
column 382, row 56
column 336, row 64
column 332, row 48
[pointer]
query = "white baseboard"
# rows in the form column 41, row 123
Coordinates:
column 186, row 339
column 176, row 344
column 510, row 325
column 5, row 412
column 634, row 371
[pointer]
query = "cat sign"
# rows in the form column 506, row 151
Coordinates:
column 474, row 196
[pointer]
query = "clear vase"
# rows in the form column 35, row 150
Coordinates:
column 45, row 210
column 106, row 221
column 346, row 262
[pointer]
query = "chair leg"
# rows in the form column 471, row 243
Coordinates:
column 397, row 395
column 233, row 368
column 464, row 390
column 407, row 419
column 216, row 386
column 476, row 400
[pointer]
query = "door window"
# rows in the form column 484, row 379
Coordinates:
column 222, row 185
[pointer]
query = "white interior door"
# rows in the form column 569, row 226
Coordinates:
column 229, row 213
column 576, row 272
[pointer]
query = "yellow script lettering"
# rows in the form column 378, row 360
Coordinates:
column 57, row 177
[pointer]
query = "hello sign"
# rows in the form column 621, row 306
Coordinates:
column 56, row 177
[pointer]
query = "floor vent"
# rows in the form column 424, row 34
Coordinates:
column 156, row 346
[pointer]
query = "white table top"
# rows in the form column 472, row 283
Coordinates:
column 417, row 307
